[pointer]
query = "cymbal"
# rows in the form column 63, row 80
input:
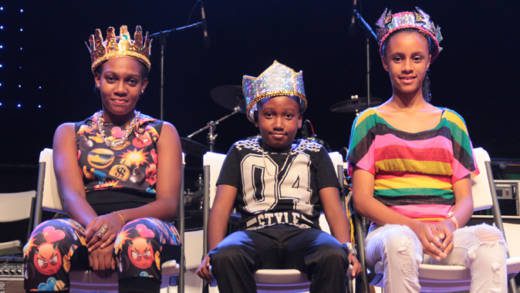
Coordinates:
column 192, row 147
column 229, row 96
column 354, row 105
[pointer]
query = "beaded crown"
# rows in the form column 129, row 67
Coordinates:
column 389, row 23
column 119, row 46
column 276, row 80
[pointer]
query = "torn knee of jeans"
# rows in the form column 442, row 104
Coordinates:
column 490, row 234
column 407, row 262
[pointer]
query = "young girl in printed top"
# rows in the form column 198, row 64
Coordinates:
column 118, row 172
column 411, row 164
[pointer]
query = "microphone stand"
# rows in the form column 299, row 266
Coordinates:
column 369, row 33
column 212, row 127
column 162, row 35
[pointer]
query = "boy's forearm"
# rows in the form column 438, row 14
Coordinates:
column 336, row 217
column 217, row 228
column 338, row 224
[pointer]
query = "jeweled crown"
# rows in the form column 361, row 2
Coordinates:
column 119, row 46
column 389, row 23
column 276, row 80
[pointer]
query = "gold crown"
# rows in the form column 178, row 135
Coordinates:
column 119, row 46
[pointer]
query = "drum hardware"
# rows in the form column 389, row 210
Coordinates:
column 355, row 104
column 192, row 147
column 309, row 132
column 193, row 199
column 229, row 97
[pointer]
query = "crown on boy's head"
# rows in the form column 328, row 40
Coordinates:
column 119, row 46
column 276, row 80
column 418, row 19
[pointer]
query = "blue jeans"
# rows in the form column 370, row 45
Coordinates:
column 312, row 251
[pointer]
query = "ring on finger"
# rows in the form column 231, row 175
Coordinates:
column 102, row 230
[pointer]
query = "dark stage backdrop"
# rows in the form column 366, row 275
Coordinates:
column 476, row 73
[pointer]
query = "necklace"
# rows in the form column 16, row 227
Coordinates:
column 264, row 154
column 117, row 135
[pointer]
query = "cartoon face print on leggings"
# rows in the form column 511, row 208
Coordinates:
column 140, row 250
column 47, row 258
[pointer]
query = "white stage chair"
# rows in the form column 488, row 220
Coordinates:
column 48, row 199
column 267, row 280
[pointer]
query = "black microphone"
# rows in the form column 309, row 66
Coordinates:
column 205, row 25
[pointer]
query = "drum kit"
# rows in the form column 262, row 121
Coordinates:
column 231, row 98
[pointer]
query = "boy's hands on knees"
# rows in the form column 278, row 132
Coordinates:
column 430, row 240
column 204, row 270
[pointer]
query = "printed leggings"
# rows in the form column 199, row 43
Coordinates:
column 57, row 246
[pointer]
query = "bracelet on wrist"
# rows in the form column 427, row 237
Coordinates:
column 453, row 219
column 121, row 217
column 349, row 247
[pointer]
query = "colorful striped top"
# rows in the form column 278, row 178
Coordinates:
column 413, row 172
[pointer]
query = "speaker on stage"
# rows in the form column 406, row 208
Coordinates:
column 507, row 195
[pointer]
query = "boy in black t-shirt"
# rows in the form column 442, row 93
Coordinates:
column 279, row 185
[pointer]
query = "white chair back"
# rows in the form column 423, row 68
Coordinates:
column 480, row 189
column 16, row 206
column 337, row 162
column 51, row 200
column 214, row 161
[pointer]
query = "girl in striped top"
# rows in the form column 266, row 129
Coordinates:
column 411, row 164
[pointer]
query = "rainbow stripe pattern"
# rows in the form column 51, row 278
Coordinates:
column 413, row 173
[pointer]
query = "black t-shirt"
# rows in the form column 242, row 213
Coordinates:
column 278, row 187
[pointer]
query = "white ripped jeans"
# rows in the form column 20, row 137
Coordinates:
column 397, row 252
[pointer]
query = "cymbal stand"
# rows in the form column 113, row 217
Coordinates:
column 211, row 126
column 369, row 33
column 162, row 35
